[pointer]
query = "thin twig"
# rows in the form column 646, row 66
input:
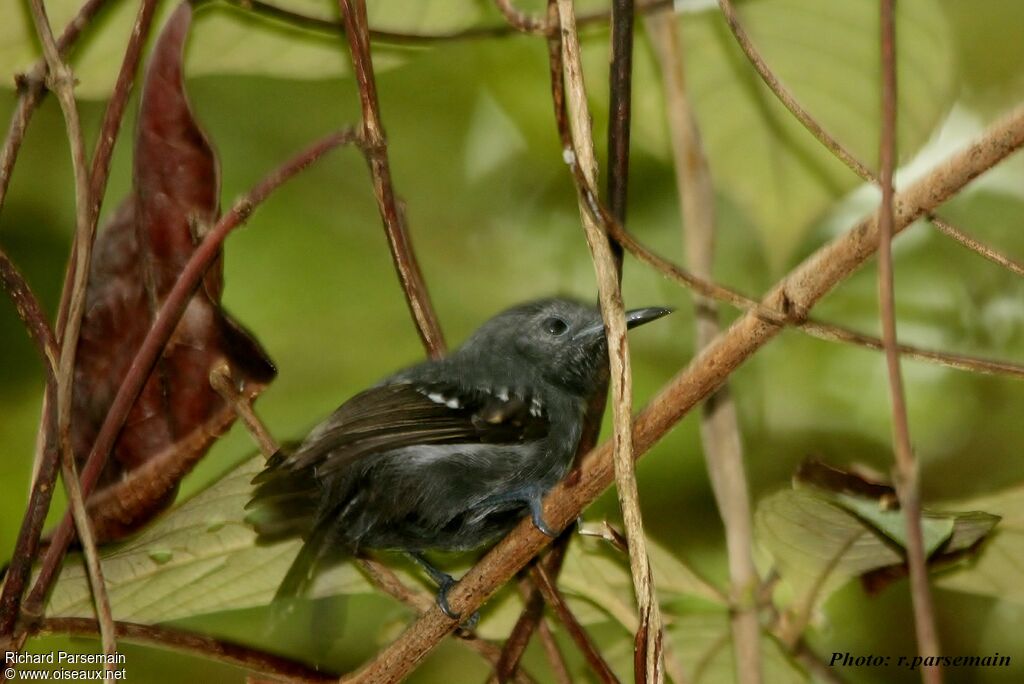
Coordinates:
column 519, row 20
column 948, row 229
column 559, row 670
column 220, row 380
column 32, row 89
column 199, row 645
column 27, row 545
column 620, row 105
column 31, row 313
column 787, row 98
column 163, row 325
column 61, row 82
column 907, row 473
column 579, row 635
column 374, row 147
column 648, row 663
column 719, row 427
column 385, row 37
column 802, row 287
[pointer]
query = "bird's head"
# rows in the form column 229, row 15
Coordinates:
column 559, row 341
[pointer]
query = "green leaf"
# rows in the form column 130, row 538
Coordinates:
column 817, row 546
column 935, row 529
column 199, row 558
column 998, row 569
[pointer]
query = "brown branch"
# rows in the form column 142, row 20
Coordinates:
column 565, row 615
column 787, row 98
column 521, row 21
column 32, row 89
column 26, row 304
column 27, row 545
column 799, row 320
column 719, row 426
column 951, row 231
column 801, row 288
column 906, row 465
column 531, row 615
column 559, row 669
column 61, row 81
column 220, row 380
column 199, row 645
column 620, row 92
column 374, row 147
column 163, row 326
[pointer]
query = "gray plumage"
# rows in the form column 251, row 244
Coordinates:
column 448, row 454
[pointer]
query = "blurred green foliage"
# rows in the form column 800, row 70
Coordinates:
column 493, row 216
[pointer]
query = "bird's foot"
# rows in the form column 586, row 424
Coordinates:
column 533, row 497
column 444, row 583
column 442, row 603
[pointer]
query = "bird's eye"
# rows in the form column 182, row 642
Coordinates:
column 555, row 325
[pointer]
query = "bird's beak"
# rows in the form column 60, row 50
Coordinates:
column 634, row 318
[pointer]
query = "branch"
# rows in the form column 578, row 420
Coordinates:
column 163, row 326
column 579, row 635
column 951, row 231
column 32, row 89
column 801, row 288
column 517, row 23
column 374, row 147
column 907, row 472
column 61, row 81
column 719, row 427
column 198, row 645
column 799, row 320
column 648, row 662
column 27, row 545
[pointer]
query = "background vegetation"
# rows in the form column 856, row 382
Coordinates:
column 493, row 215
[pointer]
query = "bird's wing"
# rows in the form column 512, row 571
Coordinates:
column 389, row 417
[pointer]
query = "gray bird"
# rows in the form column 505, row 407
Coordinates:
column 448, row 454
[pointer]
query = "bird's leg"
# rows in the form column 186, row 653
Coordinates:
column 444, row 582
column 533, row 497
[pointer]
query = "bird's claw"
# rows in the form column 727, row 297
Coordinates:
column 537, row 515
column 540, row 524
column 442, row 603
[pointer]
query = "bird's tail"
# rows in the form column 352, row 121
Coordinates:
column 284, row 501
column 302, row 570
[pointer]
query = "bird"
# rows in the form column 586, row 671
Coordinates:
column 448, row 454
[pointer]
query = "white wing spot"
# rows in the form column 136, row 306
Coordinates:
column 436, row 397
column 453, row 403
column 502, row 393
column 536, row 408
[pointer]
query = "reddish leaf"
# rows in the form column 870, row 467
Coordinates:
column 136, row 261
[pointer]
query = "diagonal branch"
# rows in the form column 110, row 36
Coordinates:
column 801, row 288
column 374, row 147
